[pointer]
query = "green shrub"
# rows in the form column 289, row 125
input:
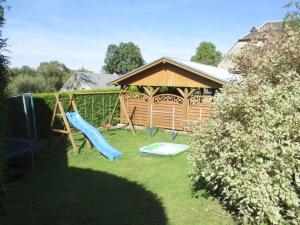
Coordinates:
column 248, row 153
column 96, row 109
column 3, row 115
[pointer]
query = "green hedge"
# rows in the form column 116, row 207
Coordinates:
column 94, row 108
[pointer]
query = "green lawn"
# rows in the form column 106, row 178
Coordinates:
column 69, row 189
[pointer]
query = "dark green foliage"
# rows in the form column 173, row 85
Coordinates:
column 96, row 109
column 207, row 53
column 49, row 76
column 123, row 58
column 54, row 72
column 27, row 83
column 3, row 82
column 24, row 70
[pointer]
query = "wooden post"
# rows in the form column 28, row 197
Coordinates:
column 114, row 109
column 185, row 94
column 123, row 107
column 151, row 91
column 72, row 106
column 67, row 129
column 88, row 143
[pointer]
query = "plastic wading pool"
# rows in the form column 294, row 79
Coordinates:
column 163, row 149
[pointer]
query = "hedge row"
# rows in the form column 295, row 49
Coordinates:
column 95, row 108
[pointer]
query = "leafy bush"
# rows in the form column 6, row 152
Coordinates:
column 248, row 153
column 96, row 109
column 25, row 83
column 3, row 82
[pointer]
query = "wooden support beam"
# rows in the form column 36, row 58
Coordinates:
column 154, row 91
column 88, row 143
column 185, row 94
column 123, row 107
column 191, row 92
column 180, row 91
column 117, row 102
column 147, row 90
column 54, row 114
column 59, row 109
column 114, row 109
column 72, row 103
column 60, row 131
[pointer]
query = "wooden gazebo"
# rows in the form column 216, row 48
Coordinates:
column 190, row 86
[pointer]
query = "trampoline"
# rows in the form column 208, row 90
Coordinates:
column 25, row 145
column 164, row 149
column 16, row 147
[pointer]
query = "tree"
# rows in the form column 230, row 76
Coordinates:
column 24, row 83
column 3, row 81
column 24, row 70
column 248, row 153
column 292, row 18
column 54, row 72
column 207, row 53
column 123, row 58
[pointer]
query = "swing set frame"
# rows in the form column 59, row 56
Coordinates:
column 66, row 130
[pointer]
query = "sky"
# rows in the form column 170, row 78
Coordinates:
column 77, row 32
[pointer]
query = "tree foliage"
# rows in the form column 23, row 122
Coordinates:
column 123, row 58
column 49, row 76
column 248, row 153
column 3, row 82
column 207, row 53
column 292, row 18
column 25, row 83
column 54, row 72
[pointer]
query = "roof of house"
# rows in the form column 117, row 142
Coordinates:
column 255, row 32
column 88, row 80
column 210, row 72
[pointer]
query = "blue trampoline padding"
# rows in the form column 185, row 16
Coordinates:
column 93, row 135
column 16, row 147
column 163, row 149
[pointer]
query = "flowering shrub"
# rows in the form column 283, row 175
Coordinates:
column 248, row 153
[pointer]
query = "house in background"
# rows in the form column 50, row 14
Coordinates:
column 88, row 81
column 255, row 33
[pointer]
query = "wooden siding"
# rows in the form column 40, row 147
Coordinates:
column 199, row 108
column 163, row 111
column 169, row 75
column 138, row 109
column 137, row 105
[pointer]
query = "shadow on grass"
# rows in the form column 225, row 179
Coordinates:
column 58, row 194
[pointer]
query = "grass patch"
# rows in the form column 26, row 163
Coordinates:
column 65, row 188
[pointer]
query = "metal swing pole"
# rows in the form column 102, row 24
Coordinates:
column 28, row 122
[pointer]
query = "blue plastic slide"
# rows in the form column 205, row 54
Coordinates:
column 93, row 135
